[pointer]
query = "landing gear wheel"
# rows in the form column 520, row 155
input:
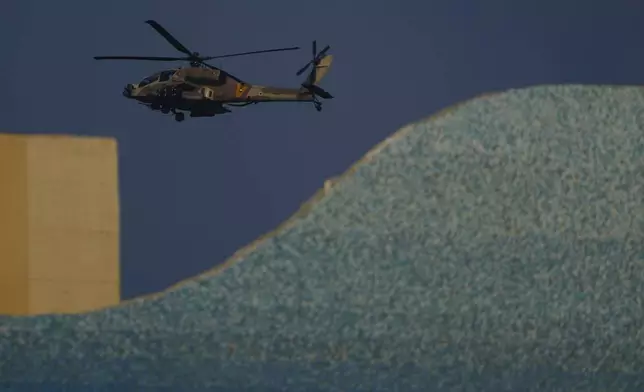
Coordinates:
column 165, row 110
column 179, row 117
column 155, row 106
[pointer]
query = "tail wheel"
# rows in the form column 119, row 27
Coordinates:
column 179, row 117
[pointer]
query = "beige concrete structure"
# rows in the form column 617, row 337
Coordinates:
column 59, row 224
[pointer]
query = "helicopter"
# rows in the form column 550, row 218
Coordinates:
column 203, row 90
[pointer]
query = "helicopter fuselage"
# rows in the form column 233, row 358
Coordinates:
column 203, row 92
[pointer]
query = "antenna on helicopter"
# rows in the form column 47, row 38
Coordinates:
column 194, row 58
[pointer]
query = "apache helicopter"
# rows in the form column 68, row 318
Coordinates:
column 204, row 90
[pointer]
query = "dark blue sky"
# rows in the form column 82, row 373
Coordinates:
column 194, row 192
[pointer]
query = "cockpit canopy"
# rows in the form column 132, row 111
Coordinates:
column 157, row 77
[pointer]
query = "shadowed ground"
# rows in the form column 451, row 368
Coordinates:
column 496, row 246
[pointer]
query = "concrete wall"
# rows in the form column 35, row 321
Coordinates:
column 59, row 224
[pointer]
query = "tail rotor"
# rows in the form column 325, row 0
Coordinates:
column 309, row 83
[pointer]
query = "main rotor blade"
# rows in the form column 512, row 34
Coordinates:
column 253, row 52
column 173, row 41
column 149, row 58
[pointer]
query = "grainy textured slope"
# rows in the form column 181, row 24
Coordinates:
column 498, row 246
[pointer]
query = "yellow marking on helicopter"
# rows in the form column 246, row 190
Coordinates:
column 241, row 89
